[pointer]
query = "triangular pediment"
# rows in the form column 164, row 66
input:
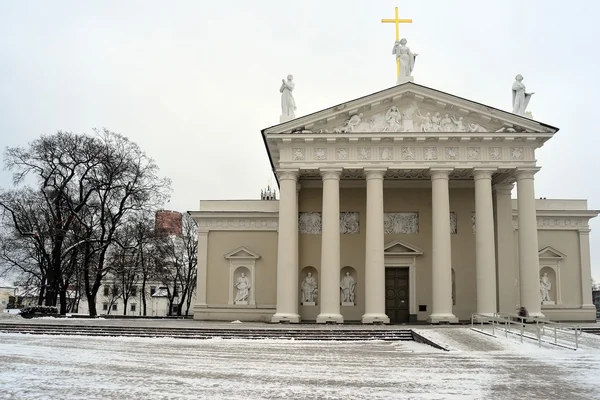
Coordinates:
column 550, row 252
column 410, row 107
column 241, row 253
column 399, row 248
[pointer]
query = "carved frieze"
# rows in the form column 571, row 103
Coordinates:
column 397, row 223
column 309, row 223
column 473, row 222
column 349, row 223
column 320, row 154
column 237, row 224
column 386, row 153
column 516, row 153
column 430, row 153
column 407, row 153
column 495, row 153
column 452, row 153
column 474, row 153
column 299, row 154
column 364, row 153
column 341, row 154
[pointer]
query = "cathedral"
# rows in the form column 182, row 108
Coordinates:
column 393, row 208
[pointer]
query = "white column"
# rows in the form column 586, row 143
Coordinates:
column 586, row 269
column 201, row 277
column 529, row 263
column 374, row 260
column 329, row 291
column 441, row 268
column 505, row 250
column 287, row 249
column 484, row 243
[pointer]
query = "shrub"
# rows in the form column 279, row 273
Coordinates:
column 36, row 311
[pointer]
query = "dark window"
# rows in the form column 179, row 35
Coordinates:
column 422, row 307
column 106, row 290
column 105, row 306
column 133, row 307
column 115, row 291
column 152, row 290
column 133, row 291
column 114, row 307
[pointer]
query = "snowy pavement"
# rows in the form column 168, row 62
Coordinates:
column 476, row 367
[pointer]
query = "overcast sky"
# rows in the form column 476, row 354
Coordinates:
column 194, row 82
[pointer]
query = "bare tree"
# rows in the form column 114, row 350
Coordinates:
column 88, row 186
column 176, row 264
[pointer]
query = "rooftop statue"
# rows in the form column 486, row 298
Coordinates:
column 519, row 97
column 405, row 57
column 288, row 104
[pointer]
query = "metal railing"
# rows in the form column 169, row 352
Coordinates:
column 540, row 329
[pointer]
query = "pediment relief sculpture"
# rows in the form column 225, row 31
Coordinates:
column 409, row 118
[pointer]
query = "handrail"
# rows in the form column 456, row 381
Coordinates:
column 544, row 330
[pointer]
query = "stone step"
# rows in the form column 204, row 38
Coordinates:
column 206, row 333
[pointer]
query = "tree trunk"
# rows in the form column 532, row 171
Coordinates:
column 63, row 301
column 91, row 298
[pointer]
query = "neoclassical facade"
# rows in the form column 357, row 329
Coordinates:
column 397, row 207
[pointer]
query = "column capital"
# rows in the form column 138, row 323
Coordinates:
column 288, row 174
column 483, row 173
column 330, row 173
column 440, row 173
column 526, row 173
column 374, row 173
column 584, row 231
column 503, row 188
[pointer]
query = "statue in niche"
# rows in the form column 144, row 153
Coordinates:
column 393, row 118
column 446, row 124
column 519, row 97
column 347, row 286
column 309, row 289
column 460, row 126
column 243, row 288
column 427, row 124
column 545, row 287
column 405, row 56
column 288, row 104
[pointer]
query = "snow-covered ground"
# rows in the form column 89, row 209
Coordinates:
column 476, row 367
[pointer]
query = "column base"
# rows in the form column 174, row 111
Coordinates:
column 437, row 318
column 284, row 317
column 375, row 319
column 325, row 318
column 535, row 314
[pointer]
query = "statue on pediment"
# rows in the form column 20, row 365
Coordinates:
column 519, row 97
column 288, row 104
column 475, row 127
column 405, row 56
column 460, row 126
column 427, row 124
column 446, row 124
column 393, row 117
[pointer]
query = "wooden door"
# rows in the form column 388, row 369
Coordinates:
column 396, row 294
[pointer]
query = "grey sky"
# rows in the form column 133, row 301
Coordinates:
column 193, row 82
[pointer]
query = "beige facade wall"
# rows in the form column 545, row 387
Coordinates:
column 221, row 243
column 462, row 201
column 556, row 232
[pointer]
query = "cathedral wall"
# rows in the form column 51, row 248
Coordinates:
column 567, row 242
column 218, row 267
column 396, row 200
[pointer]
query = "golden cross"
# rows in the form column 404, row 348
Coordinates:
column 397, row 22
